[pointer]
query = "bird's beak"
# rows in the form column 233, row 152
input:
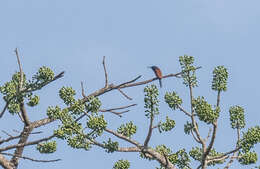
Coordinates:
column 149, row 67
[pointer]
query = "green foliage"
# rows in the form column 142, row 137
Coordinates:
column 180, row 158
column 33, row 101
column 79, row 141
column 43, row 75
column 97, row 124
column 247, row 158
column 111, row 146
column 196, row 154
column 122, row 164
column 54, row 112
column 250, row 138
column 68, row 130
column 237, row 117
column 151, row 101
column 47, row 147
column 183, row 161
column 188, row 70
column 188, row 127
column 77, row 108
column 93, row 104
column 220, row 76
column 214, row 153
column 67, row 95
column 205, row 111
column 162, row 149
column 173, row 100
column 12, row 93
column 168, row 125
column 127, row 129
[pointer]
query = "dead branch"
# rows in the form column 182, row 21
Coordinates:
column 28, row 158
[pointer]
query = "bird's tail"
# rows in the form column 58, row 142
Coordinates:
column 160, row 81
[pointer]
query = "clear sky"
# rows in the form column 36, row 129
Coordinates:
column 74, row 35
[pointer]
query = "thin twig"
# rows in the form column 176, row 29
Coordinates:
column 4, row 109
column 116, row 113
column 105, row 70
column 118, row 108
column 82, row 90
column 210, row 130
column 225, row 154
column 124, row 138
column 129, row 98
column 7, row 133
column 184, row 111
column 20, row 68
column 26, row 144
column 28, row 158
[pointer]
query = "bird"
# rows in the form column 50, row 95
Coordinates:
column 158, row 73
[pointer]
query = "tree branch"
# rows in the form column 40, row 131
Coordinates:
column 184, row 111
column 129, row 98
column 22, row 145
column 28, row 158
column 213, row 137
column 150, row 131
column 124, row 138
column 105, row 71
column 5, row 163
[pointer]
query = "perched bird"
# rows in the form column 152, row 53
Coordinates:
column 158, row 73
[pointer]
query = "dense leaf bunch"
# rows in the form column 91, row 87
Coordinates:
column 127, row 129
column 122, row 164
column 204, row 110
column 173, row 100
column 220, row 76
column 188, row 70
column 151, row 100
column 237, row 117
column 47, row 147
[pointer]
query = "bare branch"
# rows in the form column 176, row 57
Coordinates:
column 82, row 90
column 150, row 130
column 24, row 114
column 184, row 111
column 118, row 108
column 234, row 153
column 22, row 145
column 28, row 158
column 5, row 163
column 20, row 68
column 196, row 130
column 213, row 137
column 7, row 133
column 210, row 130
column 195, row 137
column 124, row 137
column 225, row 154
column 116, row 113
column 105, row 70
column 4, row 109
column 19, row 149
column 129, row 98
column 42, row 122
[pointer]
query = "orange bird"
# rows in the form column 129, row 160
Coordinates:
column 158, row 73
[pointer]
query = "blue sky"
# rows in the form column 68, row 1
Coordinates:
column 75, row 35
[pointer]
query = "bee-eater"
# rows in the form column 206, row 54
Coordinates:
column 158, row 73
